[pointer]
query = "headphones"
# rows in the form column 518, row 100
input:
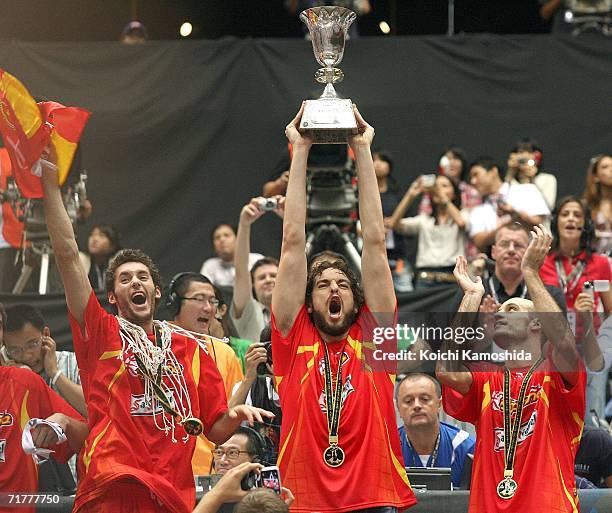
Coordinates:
column 173, row 300
column 256, row 439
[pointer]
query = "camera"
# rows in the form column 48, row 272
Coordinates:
column 529, row 162
column 268, row 477
column 267, row 204
column 429, row 181
column 262, row 368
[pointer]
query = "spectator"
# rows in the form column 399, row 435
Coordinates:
column 389, row 197
column 229, row 490
column 572, row 261
column 524, row 165
column 598, row 195
column 441, row 235
column 259, row 389
column 245, row 445
column 102, row 244
column 544, row 431
column 427, row 442
column 314, row 315
column 220, row 269
column 598, row 366
column 503, row 203
column 594, row 457
column 119, row 364
column 250, row 309
column 29, row 342
column 194, row 305
column 134, row 33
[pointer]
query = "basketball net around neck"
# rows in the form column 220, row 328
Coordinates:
column 154, row 358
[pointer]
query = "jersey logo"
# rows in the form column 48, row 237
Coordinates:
column 531, row 397
column 2, row 450
column 141, row 406
column 347, row 389
column 525, row 431
column 6, row 419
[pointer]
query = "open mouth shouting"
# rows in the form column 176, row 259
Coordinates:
column 335, row 307
column 138, row 298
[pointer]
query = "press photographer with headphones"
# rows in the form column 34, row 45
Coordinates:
column 193, row 305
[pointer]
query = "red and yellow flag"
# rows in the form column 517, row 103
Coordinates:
column 27, row 128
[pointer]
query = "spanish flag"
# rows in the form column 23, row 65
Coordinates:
column 27, row 128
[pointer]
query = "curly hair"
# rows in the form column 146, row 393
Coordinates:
column 588, row 231
column 131, row 255
column 341, row 265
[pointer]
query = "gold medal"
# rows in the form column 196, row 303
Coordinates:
column 193, row 426
column 507, row 488
column 333, row 456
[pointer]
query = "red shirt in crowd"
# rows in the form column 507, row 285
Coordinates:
column 597, row 268
column 548, row 439
column 124, row 442
column 24, row 396
column 372, row 474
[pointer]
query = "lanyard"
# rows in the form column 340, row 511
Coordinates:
column 432, row 458
column 333, row 455
column 570, row 282
column 494, row 292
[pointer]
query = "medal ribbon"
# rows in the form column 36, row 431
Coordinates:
column 333, row 397
column 570, row 282
column 511, row 430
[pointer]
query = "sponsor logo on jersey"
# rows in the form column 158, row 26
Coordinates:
column 531, row 397
column 525, row 431
column 141, row 406
column 6, row 419
column 2, row 451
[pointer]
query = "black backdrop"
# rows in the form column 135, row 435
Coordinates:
column 184, row 133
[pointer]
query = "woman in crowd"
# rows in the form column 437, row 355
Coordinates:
column 598, row 195
column 390, row 198
column 441, row 234
column 102, row 245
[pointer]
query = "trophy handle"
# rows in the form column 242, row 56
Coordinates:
column 329, row 75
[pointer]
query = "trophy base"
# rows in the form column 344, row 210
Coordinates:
column 329, row 120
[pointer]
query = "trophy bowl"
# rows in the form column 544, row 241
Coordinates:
column 330, row 119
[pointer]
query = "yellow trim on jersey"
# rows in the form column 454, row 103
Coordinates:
column 281, row 453
column 87, row 456
column 195, row 365
column 278, row 381
column 117, row 375
column 24, row 416
column 578, row 420
column 486, row 389
column 567, row 494
column 544, row 397
column 109, row 354
column 310, row 363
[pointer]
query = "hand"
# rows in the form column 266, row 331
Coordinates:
column 255, row 354
column 584, row 303
column 479, row 264
column 280, row 205
column 466, row 283
column 249, row 413
column 416, row 187
column 228, row 488
column 292, row 131
column 43, row 436
column 251, row 212
column 49, row 355
column 388, row 224
column 287, row 496
column 365, row 133
column 487, row 309
column 503, row 221
column 48, row 161
column 85, row 210
column 489, row 305
column 504, row 209
column 534, row 256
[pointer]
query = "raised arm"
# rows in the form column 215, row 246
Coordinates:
column 290, row 288
column 243, row 284
column 65, row 249
column 415, row 189
column 554, row 324
column 375, row 271
column 452, row 372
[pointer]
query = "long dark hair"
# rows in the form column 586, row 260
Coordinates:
column 455, row 201
column 459, row 153
column 588, row 231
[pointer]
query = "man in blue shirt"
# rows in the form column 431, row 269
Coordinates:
column 427, row 442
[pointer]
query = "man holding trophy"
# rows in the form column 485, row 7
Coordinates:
column 339, row 449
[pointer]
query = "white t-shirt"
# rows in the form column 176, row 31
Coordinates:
column 523, row 197
column 223, row 274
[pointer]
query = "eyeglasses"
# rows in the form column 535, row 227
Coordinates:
column 14, row 352
column 231, row 454
column 212, row 301
column 505, row 244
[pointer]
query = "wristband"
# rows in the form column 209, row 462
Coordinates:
column 56, row 377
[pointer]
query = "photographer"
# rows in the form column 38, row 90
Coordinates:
column 524, row 164
column 441, row 234
column 258, row 388
column 250, row 314
column 229, row 490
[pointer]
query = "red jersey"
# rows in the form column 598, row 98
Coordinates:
column 372, row 474
column 23, row 396
column 124, row 441
column 549, row 435
column 11, row 229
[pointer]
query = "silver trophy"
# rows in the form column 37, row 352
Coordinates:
column 329, row 119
